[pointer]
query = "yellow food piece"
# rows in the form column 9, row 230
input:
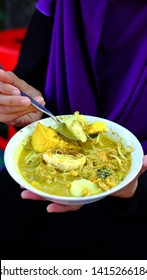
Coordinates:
column 97, row 127
column 75, row 126
column 84, row 187
column 46, row 138
column 80, row 128
column 64, row 162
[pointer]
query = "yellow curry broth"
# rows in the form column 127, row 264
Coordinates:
column 107, row 164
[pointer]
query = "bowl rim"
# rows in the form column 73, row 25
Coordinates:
column 20, row 180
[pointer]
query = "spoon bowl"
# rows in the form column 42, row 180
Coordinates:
column 62, row 128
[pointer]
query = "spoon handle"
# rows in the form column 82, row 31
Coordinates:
column 39, row 106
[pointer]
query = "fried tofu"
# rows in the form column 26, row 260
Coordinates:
column 46, row 138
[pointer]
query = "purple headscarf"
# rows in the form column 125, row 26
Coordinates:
column 115, row 37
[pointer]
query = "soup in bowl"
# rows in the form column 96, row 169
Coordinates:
column 104, row 158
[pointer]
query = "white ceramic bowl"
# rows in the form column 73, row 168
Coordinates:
column 14, row 146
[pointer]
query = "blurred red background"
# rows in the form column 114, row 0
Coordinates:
column 10, row 45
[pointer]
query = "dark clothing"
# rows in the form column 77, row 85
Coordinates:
column 112, row 228
column 32, row 65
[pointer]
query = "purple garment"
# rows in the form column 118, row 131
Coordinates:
column 115, row 38
column 46, row 7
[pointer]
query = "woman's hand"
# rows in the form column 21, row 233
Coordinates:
column 53, row 207
column 129, row 190
column 126, row 192
column 15, row 109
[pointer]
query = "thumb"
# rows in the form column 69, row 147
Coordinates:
column 144, row 166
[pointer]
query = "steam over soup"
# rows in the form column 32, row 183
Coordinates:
column 91, row 165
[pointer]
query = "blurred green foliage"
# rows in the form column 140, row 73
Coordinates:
column 16, row 13
column 1, row 159
column 2, row 15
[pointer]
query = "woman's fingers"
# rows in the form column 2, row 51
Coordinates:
column 60, row 208
column 11, row 114
column 5, row 77
column 27, row 119
column 14, row 101
column 29, row 195
column 14, row 117
column 53, row 207
column 8, row 89
column 17, row 103
column 128, row 191
column 14, row 107
column 10, row 78
column 8, row 84
column 11, row 82
column 144, row 166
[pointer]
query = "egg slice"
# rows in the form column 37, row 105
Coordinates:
column 65, row 162
column 83, row 187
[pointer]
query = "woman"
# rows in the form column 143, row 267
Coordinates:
column 88, row 56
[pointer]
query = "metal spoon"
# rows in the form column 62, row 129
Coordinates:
column 60, row 125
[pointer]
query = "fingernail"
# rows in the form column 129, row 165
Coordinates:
column 49, row 209
column 25, row 101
